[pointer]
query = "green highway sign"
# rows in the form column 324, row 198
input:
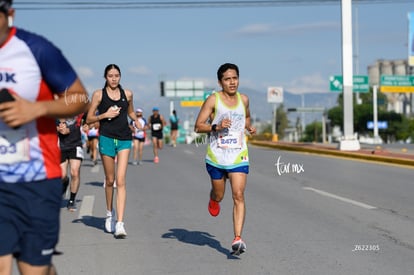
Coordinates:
column 192, row 98
column 192, row 101
column 360, row 83
column 397, row 80
column 397, row 83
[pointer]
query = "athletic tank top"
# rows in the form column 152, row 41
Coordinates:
column 139, row 133
column 116, row 127
column 35, row 69
column 227, row 149
column 74, row 138
column 174, row 122
column 156, row 124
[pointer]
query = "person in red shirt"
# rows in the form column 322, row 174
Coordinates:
column 38, row 85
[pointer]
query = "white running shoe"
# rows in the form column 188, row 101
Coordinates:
column 120, row 232
column 110, row 222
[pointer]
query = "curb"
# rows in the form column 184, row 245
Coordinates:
column 300, row 147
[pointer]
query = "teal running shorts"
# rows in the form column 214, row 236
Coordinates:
column 111, row 146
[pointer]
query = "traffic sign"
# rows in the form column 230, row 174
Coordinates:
column 397, row 83
column 192, row 101
column 275, row 94
column 381, row 124
column 360, row 83
column 195, row 101
column 183, row 88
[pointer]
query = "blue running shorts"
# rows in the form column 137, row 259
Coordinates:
column 29, row 220
column 111, row 146
column 218, row 173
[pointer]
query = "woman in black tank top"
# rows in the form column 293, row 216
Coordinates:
column 114, row 106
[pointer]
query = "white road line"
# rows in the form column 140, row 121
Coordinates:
column 86, row 208
column 189, row 152
column 357, row 203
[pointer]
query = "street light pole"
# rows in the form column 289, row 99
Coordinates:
column 349, row 142
column 375, row 112
column 274, row 129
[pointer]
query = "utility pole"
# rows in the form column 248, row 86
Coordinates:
column 375, row 113
column 349, row 142
column 358, row 99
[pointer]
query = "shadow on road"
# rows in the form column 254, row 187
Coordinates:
column 97, row 222
column 94, row 183
column 197, row 238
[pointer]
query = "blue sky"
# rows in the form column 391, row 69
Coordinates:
column 296, row 47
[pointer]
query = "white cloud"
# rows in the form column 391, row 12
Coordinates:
column 314, row 83
column 140, row 70
column 85, row 72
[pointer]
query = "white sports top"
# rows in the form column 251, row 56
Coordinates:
column 227, row 149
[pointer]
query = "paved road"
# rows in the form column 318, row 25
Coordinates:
column 306, row 214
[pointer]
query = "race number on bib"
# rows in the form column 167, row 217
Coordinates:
column 14, row 147
column 156, row 126
column 232, row 140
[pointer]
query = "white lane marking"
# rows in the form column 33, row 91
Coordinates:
column 86, row 208
column 357, row 203
column 189, row 152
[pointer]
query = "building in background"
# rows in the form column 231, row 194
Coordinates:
column 411, row 39
column 401, row 103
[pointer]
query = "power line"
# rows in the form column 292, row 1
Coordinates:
column 100, row 5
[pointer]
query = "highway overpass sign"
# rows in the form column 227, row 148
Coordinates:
column 360, row 83
column 397, row 84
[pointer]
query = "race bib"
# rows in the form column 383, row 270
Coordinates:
column 14, row 147
column 156, row 126
column 79, row 152
column 93, row 132
column 140, row 134
column 232, row 140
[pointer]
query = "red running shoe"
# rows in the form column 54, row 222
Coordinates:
column 213, row 208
